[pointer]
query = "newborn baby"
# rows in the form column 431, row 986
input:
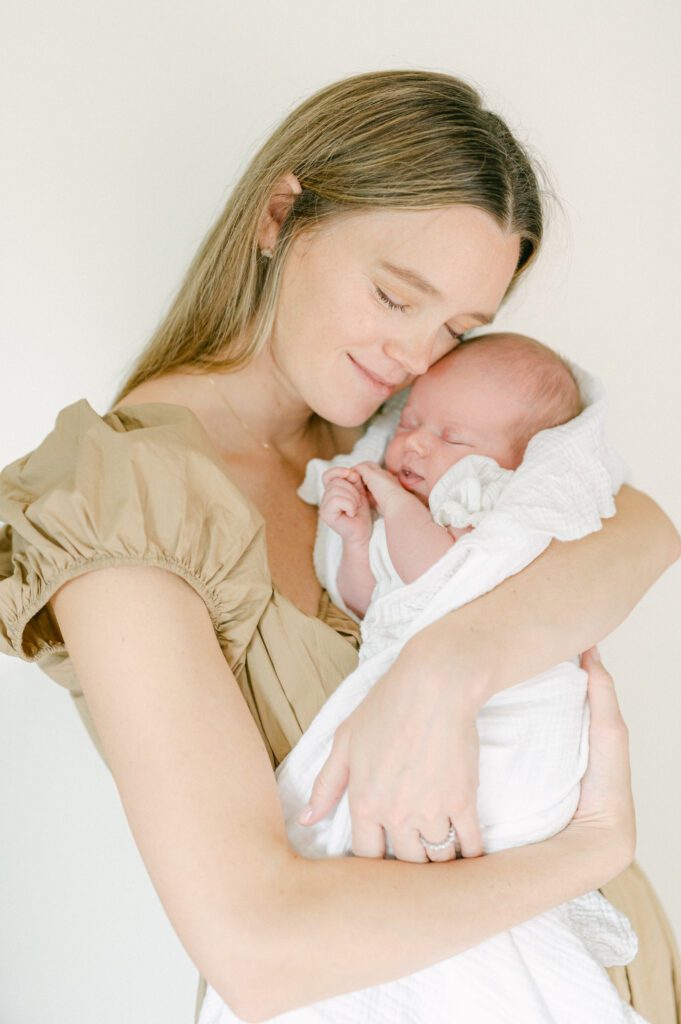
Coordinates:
column 487, row 398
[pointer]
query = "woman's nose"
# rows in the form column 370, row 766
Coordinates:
column 416, row 358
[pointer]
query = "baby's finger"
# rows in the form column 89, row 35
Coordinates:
column 335, row 473
column 365, row 469
column 340, row 505
column 341, row 488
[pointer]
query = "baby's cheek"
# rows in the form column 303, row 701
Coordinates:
column 443, row 459
column 392, row 457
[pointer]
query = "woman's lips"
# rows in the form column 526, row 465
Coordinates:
column 378, row 385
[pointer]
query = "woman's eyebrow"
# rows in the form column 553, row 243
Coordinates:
column 413, row 278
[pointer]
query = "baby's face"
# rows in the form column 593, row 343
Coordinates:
column 456, row 409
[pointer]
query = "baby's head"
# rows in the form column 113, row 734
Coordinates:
column 487, row 397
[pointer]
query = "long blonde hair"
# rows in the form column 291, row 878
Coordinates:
column 398, row 139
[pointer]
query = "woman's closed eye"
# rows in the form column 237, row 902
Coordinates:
column 387, row 301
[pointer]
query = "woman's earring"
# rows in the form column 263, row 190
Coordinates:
column 267, row 253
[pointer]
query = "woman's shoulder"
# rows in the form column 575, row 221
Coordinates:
column 145, row 437
column 141, row 484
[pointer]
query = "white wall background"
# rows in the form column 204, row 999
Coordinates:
column 125, row 126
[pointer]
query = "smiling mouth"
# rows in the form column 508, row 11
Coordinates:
column 379, row 385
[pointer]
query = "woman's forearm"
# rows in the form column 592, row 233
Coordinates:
column 568, row 599
column 268, row 929
column 334, row 926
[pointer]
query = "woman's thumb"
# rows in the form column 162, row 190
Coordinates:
column 328, row 787
column 602, row 696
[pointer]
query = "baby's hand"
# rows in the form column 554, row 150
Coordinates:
column 383, row 487
column 345, row 505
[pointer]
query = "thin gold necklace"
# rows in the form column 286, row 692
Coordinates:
column 263, row 444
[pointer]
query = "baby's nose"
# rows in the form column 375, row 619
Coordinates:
column 417, row 441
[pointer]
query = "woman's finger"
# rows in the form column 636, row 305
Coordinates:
column 436, row 831
column 406, row 845
column 368, row 838
column 606, row 796
column 468, row 833
column 329, row 785
column 603, row 701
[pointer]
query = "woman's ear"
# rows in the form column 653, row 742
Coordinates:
column 281, row 198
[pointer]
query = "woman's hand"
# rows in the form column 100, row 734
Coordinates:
column 394, row 754
column 409, row 758
column 606, row 800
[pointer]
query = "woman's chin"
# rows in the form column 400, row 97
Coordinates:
column 350, row 413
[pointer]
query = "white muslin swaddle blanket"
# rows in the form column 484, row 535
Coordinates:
column 533, row 736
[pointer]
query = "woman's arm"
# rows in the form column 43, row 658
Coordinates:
column 569, row 598
column 268, row 929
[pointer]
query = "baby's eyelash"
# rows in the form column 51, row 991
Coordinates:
column 400, row 309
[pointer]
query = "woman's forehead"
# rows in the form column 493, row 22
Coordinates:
column 457, row 255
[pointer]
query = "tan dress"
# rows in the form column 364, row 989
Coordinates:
column 144, row 485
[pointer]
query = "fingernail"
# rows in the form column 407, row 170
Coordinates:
column 305, row 815
column 595, row 653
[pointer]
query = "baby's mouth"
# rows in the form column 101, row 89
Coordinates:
column 409, row 479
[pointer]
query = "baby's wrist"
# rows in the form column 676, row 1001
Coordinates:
column 397, row 500
column 353, row 546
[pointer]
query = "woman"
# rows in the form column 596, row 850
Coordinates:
column 387, row 216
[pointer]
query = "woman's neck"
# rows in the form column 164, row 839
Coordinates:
column 252, row 412
column 259, row 396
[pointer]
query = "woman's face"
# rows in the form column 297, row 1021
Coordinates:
column 337, row 341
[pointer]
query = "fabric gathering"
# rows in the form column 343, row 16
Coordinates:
column 533, row 736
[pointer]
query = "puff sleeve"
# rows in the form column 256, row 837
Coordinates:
column 142, row 485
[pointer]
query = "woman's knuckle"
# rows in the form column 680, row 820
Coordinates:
column 460, row 804
column 430, row 810
column 398, row 819
column 364, row 807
